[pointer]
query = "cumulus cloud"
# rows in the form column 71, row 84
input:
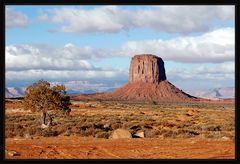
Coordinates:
column 64, row 74
column 223, row 71
column 24, row 57
column 41, row 61
column 71, row 51
column 111, row 19
column 72, row 61
column 15, row 19
column 214, row 46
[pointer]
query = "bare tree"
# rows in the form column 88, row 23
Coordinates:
column 41, row 97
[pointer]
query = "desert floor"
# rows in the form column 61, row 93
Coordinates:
column 74, row 147
column 172, row 131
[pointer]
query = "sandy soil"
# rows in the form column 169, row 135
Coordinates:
column 63, row 147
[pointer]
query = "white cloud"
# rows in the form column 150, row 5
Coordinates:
column 212, row 47
column 110, row 19
column 223, row 71
column 15, row 19
column 71, row 61
column 24, row 57
column 64, row 74
column 41, row 61
column 215, row 46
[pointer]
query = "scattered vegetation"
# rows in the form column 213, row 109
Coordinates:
column 101, row 118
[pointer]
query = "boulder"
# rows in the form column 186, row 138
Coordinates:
column 120, row 133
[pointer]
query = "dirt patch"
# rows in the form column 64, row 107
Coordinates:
column 74, row 147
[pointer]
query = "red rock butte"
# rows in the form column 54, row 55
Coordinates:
column 147, row 82
column 146, row 68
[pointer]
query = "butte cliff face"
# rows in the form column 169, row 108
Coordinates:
column 147, row 68
column 147, row 82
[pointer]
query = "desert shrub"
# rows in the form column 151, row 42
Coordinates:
column 211, row 128
column 150, row 133
column 98, row 126
column 228, row 127
column 116, row 125
column 154, row 103
column 86, row 125
column 135, row 127
column 169, row 134
column 182, row 133
column 61, row 129
column 40, row 97
column 127, row 125
column 67, row 133
column 168, row 124
column 214, row 134
column 9, row 130
column 32, row 131
column 19, row 132
column 102, row 135
column 49, row 133
column 87, row 132
column 147, row 126
column 18, row 127
column 209, row 135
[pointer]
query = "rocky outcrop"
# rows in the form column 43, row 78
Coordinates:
column 147, row 68
column 148, row 82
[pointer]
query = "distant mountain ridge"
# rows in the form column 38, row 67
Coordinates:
column 216, row 93
column 12, row 92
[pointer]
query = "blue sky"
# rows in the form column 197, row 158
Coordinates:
column 96, row 43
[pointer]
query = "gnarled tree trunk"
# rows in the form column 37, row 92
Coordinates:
column 43, row 120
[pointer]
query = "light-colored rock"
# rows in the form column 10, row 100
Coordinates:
column 140, row 134
column 120, row 133
column 225, row 138
column 13, row 153
column 28, row 136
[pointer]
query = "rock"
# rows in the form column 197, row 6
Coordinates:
column 107, row 127
column 13, row 153
column 147, row 68
column 147, row 82
column 28, row 136
column 120, row 133
column 225, row 138
column 139, row 134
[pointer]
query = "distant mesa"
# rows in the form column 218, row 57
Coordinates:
column 147, row 82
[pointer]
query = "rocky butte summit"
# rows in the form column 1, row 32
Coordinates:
column 147, row 82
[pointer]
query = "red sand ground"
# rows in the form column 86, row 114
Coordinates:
column 63, row 147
